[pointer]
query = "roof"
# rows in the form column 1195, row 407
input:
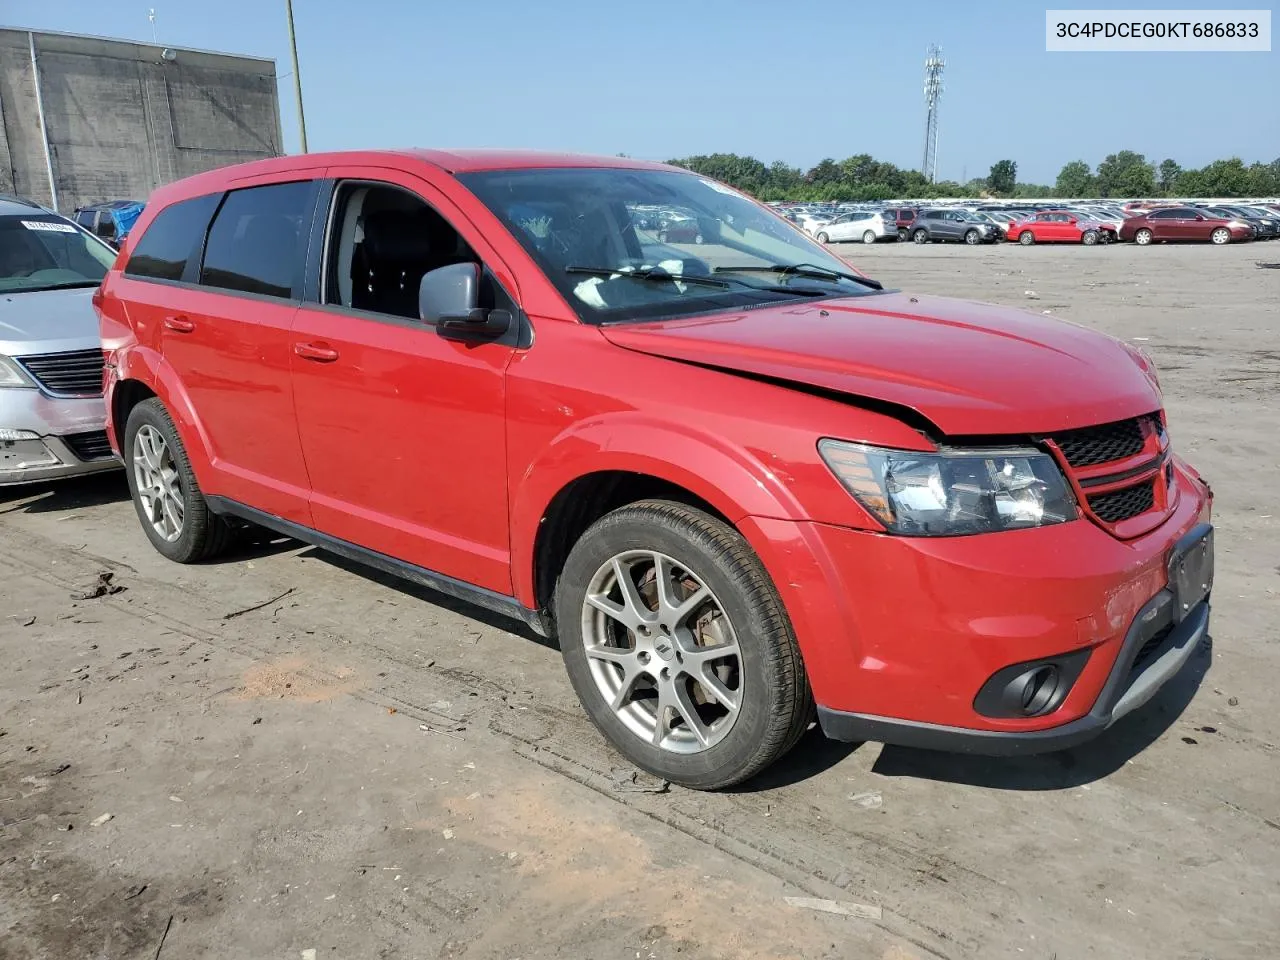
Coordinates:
column 451, row 161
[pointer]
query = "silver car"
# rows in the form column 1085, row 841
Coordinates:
column 51, row 411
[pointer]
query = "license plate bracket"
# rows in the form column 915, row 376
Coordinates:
column 1191, row 571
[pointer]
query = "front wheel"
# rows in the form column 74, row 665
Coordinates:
column 1220, row 236
column 902, row 234
column 677, row 644
column 173, row 511
column 823, row 238
column 1089, row 238
column 920, row 236
column 972, row 236
column 1143, row 237
column 1026, row 238
column 869, row 237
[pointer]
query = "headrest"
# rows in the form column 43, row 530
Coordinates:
column 397, row 235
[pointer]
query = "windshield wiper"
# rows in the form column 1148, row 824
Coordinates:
column 652, row 274
column 804, row 270
column 656, row 275
column 68, row 285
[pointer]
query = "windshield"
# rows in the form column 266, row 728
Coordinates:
column 653, row 244
column 42, row 251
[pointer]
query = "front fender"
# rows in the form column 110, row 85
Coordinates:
column 726, row 476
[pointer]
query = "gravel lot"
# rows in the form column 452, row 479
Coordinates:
column 361, row 769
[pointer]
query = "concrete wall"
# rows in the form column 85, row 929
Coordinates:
column 120, row 119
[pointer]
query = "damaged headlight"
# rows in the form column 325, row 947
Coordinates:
column 954, row 492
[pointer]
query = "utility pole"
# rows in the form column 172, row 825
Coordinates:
column 933, row 66
column 297, row 77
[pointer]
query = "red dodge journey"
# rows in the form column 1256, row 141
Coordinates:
column 738, row 481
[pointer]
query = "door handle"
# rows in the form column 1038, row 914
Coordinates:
column 315, row 351
column 179, row 324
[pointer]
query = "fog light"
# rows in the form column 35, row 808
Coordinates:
column 12, row 436
column 1038, row 689
column 1031, row 689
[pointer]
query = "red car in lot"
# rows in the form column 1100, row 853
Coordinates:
column 734, row 485
column 1183, row 223
column 1059, row 226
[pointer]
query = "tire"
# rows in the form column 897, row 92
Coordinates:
column 823, row 238
column 662, row 236
column 1026, row 238
column 869, row 237
column 697, row 238
column 902, row 234
column 199, row 533
column 920, row 236
column 1220, row 236
column 774, row 704
column 972, row 237
column 1089, row 237
column 1143, row 237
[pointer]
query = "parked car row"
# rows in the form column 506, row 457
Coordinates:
column 1092, row 224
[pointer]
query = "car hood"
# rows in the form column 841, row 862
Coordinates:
column 46, row 321
column 969, row 368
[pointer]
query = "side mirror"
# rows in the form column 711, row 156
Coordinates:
column 449, row 297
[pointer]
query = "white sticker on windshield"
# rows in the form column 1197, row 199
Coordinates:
column 48, row 227
column 721, row 188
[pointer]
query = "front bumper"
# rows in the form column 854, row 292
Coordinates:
column 900, row 635
column 1127, row 688
column 54, row 434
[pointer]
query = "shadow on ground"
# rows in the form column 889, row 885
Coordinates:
column 427, row 595
column 1090, row 761
column 73, row 493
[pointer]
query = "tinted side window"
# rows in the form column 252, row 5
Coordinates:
column 172, row 239
column 933, row 215
column 1162, row 215
column 257, row 241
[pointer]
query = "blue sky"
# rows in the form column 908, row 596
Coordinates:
column 796, row 81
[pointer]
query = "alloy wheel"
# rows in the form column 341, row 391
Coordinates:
column 157, row 482
column 869, row 237
column 1221, row 235
column 1142, row 237
column 662, row 651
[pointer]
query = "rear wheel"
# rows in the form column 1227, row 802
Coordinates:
column 869, row 237
column 920, row 236
column 173, row 512
column 1026, row 238
column 823, row 238
column 902, row 233
column 678, row 646
column 1089, row 237
column 1220, row 236
column 1143, row 237
column 972, row 237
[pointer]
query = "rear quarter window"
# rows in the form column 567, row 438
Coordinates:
column 172, row 239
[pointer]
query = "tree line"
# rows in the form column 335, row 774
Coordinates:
column 862, row 177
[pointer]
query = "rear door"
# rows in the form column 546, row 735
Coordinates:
column 404, row 431
column 225, row 329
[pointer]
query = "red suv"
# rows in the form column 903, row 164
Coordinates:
column 737, row 480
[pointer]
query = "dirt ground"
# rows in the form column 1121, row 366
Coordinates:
column 358, row 768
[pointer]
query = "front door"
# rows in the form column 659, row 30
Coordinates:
column 404, row 431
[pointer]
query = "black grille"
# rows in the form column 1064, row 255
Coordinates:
column 1148, row 649
column 76, row 373
column 1123, row 504
column 89, row 446
column 1111, row 441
